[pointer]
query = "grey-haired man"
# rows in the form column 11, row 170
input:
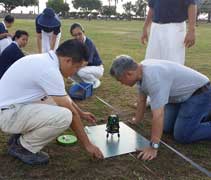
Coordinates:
column 175, row 91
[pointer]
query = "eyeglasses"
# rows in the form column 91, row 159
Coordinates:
column 78, row 34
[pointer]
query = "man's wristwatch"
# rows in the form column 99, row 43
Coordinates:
column 154, row 145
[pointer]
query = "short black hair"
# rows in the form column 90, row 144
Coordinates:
column 19, row 33
column 76, row 25
column 74, row 49
column 9, row 19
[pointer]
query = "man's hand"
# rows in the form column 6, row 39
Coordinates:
column 94, row 151
column 8, row 35
column 144, row 37
column 147, row 153
column 89, row 117
column 189, row 39
column 133, row 121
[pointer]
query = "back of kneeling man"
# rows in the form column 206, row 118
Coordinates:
column 33, row 124
column 180, row 99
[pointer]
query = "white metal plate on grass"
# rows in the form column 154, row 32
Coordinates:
column 128, row 141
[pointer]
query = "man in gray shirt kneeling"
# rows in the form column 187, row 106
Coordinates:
column 180, row 99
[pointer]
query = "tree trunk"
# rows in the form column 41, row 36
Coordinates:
column 116, row 1
column 109, row 3
column 209, row 17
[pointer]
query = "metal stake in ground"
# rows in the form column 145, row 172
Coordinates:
column 104, row 102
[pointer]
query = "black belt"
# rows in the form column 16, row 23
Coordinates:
column 4, row 109
column 202, row 89
column 161, row 22
column 9, row 107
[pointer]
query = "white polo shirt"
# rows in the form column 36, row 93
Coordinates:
column 32, row 78
column 168, row 82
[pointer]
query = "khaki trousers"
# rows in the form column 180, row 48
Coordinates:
column 38, row 123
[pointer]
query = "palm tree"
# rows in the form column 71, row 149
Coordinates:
column 109, row 3
column 115, row 3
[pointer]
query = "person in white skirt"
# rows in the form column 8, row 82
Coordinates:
column 5, row 36
column 168, row 37
column 93, row 71
column 48, row 30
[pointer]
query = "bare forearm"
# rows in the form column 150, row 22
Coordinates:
column 192, row 12
column 157, row 128
column 3, row 35
column 77, row 127
column 76, row 124
column 53, row 42
column 141, row 107
column 39, row 43
column 148, row 20
column 79, row 111
column 140, row 112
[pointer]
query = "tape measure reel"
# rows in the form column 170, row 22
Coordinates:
column 67, row 139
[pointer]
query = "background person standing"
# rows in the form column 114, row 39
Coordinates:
column 48, row 30
column 168, row 37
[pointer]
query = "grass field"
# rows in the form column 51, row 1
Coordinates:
column 113, row 38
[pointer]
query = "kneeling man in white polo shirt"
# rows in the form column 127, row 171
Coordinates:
column 33, row 124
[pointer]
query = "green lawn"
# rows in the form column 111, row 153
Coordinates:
column 113, row 38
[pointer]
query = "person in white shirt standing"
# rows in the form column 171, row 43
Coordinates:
column 168, row 37
column 5, row 36
column 35, row 124
column 48, row 30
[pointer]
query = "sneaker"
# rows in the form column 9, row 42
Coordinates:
column 18, row 151
column 96, row 84
column 13, row 138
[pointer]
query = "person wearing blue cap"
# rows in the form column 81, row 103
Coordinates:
column 48, row 30
column 5, row 36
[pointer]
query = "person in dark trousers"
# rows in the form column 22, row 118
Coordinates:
column 13, row 52
column 180, row 99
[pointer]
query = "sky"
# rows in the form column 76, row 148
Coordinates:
column 42, row 5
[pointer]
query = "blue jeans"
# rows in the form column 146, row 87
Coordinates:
column 189, row 120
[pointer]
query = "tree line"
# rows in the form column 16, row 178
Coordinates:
column 87, row 6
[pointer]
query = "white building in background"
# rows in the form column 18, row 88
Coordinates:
column 42, row 5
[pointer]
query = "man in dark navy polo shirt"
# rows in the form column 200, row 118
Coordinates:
column 168, row 37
